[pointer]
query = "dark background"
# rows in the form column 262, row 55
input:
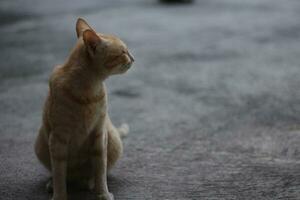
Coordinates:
column 212, row 100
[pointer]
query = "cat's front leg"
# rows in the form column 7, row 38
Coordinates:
column 58, row 152
column 99, row 157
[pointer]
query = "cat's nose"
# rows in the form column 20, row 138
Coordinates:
column 131, row 57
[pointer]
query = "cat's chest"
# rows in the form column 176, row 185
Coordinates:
column 91, row 119
column 93, row 115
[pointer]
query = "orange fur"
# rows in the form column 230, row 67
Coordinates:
column 77, row 140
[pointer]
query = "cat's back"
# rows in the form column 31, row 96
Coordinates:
column 57, row 76
column 59, row 107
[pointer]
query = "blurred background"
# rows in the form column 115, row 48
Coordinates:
column 212, row 100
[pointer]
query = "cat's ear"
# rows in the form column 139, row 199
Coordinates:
column 91, row 41
column 81, row 26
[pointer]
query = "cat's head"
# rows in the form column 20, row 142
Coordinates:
column 108, row 53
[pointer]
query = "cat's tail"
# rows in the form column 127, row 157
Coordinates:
column 123, row 130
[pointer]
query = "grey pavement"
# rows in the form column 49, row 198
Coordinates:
column 213, row 99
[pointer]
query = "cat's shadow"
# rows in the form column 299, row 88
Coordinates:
column 76, row 193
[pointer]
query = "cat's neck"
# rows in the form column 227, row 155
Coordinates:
column 83, row 79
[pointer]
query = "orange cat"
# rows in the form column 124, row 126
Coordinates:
column 77, row 140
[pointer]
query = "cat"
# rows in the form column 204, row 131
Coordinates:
column 77, row 140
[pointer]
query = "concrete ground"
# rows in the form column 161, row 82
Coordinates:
column 212, row 101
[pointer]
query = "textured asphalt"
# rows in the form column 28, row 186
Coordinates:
column 212, row 100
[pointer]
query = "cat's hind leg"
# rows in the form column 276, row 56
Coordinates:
column 41, row 148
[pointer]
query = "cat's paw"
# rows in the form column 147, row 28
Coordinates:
column 108, row 196
column 123, row 130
